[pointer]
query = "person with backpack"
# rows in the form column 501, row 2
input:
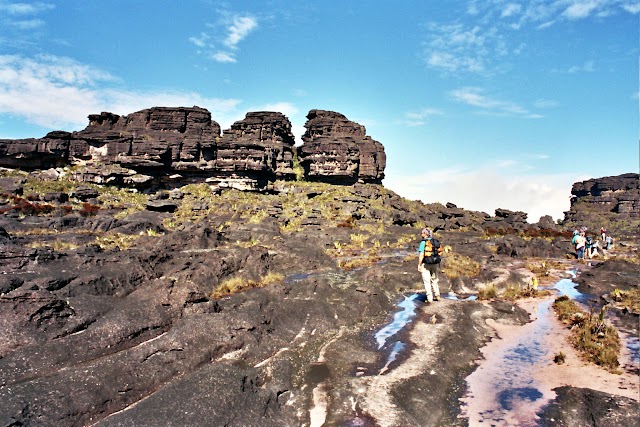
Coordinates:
column 580, row 242
column 429, row 257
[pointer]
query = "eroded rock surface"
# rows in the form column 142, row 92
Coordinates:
column 109, row 317
column 338, row 150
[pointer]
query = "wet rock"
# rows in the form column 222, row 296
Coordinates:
column 584, row 407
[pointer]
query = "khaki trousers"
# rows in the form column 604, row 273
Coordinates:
column 430, row 281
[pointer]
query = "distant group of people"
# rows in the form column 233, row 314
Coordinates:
column 587, row 247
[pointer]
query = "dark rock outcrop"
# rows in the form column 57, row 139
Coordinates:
column 337, row 150
column 260, row 146
column 164, row 147
column 612, row 194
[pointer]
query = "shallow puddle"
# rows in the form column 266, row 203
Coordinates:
column 504, row 391
column 400, row 320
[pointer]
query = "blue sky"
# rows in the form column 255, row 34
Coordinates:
column 486, row 104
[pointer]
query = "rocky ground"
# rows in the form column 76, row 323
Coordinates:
column 235, row 309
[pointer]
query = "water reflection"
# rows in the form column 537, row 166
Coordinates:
column 400, row 320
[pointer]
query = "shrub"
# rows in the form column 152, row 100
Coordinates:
column 488, row 292
column 239, row 284
column 88, row 209
column 117, row 240
column 559, row 358
column 596, row 341
column 350, row 264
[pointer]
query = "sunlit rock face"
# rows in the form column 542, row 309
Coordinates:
column 164, row 147
column 612, row 194
column 338, row 150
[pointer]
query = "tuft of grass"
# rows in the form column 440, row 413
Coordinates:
column 56, row 245
column 128, row 200
column 487, row 293
column 559, row 358
column 117, row 240
column 238, row 284
column 358, row 239
column 351, row 264
column 629, row 299
column 456, row 265
column 595, row 340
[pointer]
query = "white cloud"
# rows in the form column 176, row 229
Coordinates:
column 581, row 9
column 475, row 97
column 419, row 118
column 224, row 57
column 546, row 103
column 456, row 48
column 587, row 67
column 28, row 24
column 510, row 9
column 239, row 29
column 486, row 189
column 25, row 8
column 632, row 7
column 485, row 46
column 234, row 30
column 59, row 93
column 200, row 40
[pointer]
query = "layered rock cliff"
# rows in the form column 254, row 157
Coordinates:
column 165, row 147
column 336, row 149
column 612, row 202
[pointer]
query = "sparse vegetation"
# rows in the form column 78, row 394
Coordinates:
column 237, row 284
column 56, row 245
column 350, row 264
column 559, row 358
column 117, row 240
column 457, row 265
column 595, row 340
column 629, row 299
column 487, row 293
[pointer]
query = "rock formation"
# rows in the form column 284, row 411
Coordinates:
column 165, row 147
column 612, row 202
column 337, row 150
column 620, row 194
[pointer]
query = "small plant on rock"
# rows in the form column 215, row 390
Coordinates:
column 487, row 293
column 595, row 340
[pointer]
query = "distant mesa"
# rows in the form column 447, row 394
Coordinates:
column 618, row 195
column 164, row 147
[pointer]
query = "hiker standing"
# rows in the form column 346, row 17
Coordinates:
column 580, row 242
column 603, row 232
column 429, row 263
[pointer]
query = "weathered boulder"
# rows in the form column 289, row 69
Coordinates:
column 337, row 150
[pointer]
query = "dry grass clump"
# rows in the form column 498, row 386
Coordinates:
column 515, row 291
column 353, row 263
column 130, row 201
column 43, row 186
column 117, row 240
column 595, row 340
column 559, row 358
column 487, row 293
column 457, row 265
column 237, row 284
column 629, row 299
column 56, row 245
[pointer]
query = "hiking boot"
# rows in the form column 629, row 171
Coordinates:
column 436, row 298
